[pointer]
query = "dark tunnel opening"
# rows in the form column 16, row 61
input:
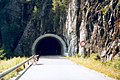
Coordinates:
column 48, row 46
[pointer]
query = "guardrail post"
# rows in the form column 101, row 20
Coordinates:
column 24, row 66
column 28, row 62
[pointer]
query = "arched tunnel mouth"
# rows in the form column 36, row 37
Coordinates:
column 48, row 46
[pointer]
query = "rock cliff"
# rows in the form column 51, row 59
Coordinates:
column 98, row 25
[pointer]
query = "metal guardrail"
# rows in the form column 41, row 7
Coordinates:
column 6, row 72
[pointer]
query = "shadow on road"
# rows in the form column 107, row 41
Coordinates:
column 38, row 64
column 53, row 57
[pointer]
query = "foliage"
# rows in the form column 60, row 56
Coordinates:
column 105, row 10
column 5, row 64
column 62, row 4
column 111, row 68
column 5, row 54
column 2, row 53
column 35, row 9
column 59, row 10
column 119, row 2
column 11, row 29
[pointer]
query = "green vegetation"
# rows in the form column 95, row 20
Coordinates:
column 59, row 9
column 2, row 53
column 35, row 9
column 104, row 10
column 5, row 54
column 5, row 64
column 111, row 68
column 62, row 4
column 119, row 2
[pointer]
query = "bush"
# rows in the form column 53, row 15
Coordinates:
column 5, row 54
column 62, row 4
column 35, row 9
column 2, row 54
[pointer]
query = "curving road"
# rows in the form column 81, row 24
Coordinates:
column 59, row 68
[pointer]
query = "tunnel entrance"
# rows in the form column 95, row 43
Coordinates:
column 49, row 44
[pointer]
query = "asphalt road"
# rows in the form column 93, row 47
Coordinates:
column 59, row 68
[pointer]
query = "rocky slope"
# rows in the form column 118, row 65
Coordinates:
column 98, row 25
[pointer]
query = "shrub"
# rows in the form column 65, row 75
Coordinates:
column 2, row 54
column 35, row 9
column 62, row 4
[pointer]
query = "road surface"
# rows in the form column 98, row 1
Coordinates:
column 59, row 68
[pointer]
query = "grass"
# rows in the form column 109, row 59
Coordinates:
column 111, row 69
column 5, row 64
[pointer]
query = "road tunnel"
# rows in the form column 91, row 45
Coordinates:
column 49, row 44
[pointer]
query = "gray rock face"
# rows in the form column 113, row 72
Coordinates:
column 12, row 23
column 40, row 23
column 98, row 26
column 37, row 25
column 71, row 28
